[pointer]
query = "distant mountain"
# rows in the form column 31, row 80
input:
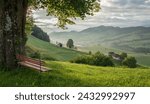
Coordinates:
column 135, row 39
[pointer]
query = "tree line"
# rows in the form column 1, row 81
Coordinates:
column 99, row 59
column 40, row 34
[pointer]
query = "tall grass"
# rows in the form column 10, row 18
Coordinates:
column 68, row 74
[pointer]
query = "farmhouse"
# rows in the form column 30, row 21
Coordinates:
column 115, row 56
column 59, row 44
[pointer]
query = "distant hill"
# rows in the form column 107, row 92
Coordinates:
column 135, row 39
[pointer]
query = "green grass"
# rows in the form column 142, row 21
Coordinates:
column 100, row 48
column 72, row 75
column 143, row 59
column 65, row 74
column 49, row 50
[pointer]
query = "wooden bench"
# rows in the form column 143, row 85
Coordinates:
column 32, row 63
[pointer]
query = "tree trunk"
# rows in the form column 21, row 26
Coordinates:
column 12, row 31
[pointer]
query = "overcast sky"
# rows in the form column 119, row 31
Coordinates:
column 122, row 13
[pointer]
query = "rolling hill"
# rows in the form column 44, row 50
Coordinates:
column 48, row 50
column 133, row 40
column 129, row 38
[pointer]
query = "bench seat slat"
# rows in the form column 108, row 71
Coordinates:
column 32, row 63
column 24, row 58
column 43, row 69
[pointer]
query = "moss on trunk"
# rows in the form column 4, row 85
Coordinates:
column 12, row 34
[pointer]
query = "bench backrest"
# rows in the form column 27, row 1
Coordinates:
column 34, row 61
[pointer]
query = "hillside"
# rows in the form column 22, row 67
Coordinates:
column 68, row 74
column 48, row 50
column 130, row 38
column 133, row 40
column 72, row 75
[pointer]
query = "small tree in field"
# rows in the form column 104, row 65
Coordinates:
column 70, row 43
column 130, row 62
column 90, row 52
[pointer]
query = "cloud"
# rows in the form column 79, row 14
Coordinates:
column 46, row 21
column 126, row 3
column 122, row 13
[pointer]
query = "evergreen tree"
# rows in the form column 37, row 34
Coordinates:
column 70, row 43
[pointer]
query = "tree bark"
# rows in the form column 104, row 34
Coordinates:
column 12, row 31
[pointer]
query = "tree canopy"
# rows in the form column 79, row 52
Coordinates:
column 67, row 10
column 70, row 43
column 130, row 62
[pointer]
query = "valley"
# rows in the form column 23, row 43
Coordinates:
column 133, row 40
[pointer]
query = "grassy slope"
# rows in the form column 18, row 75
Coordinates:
column 109, row 36
column 106, row 39
column 142, row 59
column 68, row 74
column 50, row 50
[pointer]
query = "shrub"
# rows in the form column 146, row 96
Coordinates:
column 60, row 45
column 90, row 52
column 97, row 59
column 35, row 55
column 45, row 57
column 130, row 62
column 123, row 55
column 82, row 60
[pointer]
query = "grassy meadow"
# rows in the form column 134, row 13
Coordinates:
column 48, row 50
column 68, row 74
column 76, row 75
column 142, row 59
